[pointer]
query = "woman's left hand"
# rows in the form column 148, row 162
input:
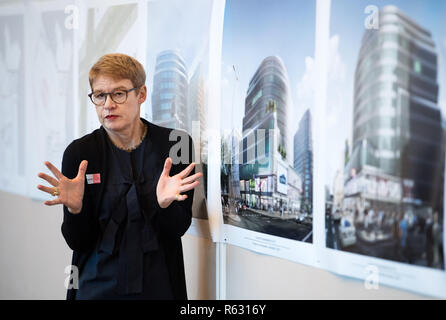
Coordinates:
column 169, row 188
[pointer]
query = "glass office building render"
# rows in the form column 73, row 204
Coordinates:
column 266, row 106
column 270, row 182
column 170, row 91
column 398, row 143
column 303, row 159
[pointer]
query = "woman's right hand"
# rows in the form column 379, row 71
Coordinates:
column 70, row 192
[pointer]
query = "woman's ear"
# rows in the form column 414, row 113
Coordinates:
column 142, row 94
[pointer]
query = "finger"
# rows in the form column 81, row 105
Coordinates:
column 191, row 178
column 167, row 167
column 181, row 197
column 185, row 172
column 54, row 170
column 48, row 178
column 190, row 186
column 46, row 189
column 82, row 169
column 53, row 202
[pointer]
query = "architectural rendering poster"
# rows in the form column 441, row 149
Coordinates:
column 385, row 138
column 177, row 69
column 266, row 126
column 50, row 51
column 12, row 105
column 378, row 215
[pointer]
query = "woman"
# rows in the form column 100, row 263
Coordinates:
column 124, row 210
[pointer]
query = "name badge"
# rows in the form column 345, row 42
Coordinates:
column 93, row 178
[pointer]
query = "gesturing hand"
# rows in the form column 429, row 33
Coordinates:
column 169, row 188
column 70, row 192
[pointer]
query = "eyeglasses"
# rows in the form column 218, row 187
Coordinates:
column 117, row 96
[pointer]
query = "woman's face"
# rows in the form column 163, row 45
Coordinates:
column 118, row 117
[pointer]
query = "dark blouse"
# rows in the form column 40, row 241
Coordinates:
column 128, row 262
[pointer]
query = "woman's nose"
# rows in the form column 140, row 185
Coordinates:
column 109, row 103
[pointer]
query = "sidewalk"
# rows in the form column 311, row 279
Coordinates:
column 274, row 214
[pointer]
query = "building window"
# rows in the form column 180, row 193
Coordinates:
column 165, row 116
column 165, row 96
column 257, row 97
column 166, row 106
column 417, row 66
column 168, row 85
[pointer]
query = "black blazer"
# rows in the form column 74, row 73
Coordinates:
column 81, row 231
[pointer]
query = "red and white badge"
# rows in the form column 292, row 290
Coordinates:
column 93, row 178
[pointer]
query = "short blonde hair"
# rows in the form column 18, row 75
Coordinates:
column 118, row 66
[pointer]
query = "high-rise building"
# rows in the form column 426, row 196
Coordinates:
column 169, row 96
column 196, row 106
column 234, row 190
column 396, row 120
column 263, row 148
column 303, row 157
column 266, row 106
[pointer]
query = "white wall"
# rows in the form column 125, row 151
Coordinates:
column 33, row 253
column 254, row 276
column 33, row 257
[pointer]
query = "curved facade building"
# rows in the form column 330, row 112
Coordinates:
column 266, row 107
column 169, row 96
column 396, row 121
column 270, row 182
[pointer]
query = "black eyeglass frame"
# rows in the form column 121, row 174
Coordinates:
column 111, row 96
